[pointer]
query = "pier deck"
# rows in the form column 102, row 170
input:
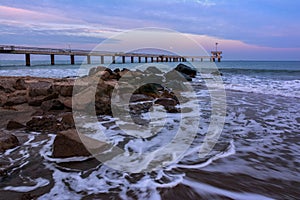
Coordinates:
column 27, row 51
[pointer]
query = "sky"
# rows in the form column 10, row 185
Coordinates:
column 244, row 29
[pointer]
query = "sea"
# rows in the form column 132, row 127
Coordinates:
column 256, row 156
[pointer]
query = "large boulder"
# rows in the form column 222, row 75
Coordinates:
column 43, row 124
column 153, row 70
column 20, row 84
column 53, row 104
column 40, row 88
column 64, row 88
column 176, row 75
column 140, row 97
column 7, row 141
column 69, row 144
column 184, row 69
column 12, row 125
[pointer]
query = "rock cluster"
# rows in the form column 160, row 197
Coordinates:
column 45, row 104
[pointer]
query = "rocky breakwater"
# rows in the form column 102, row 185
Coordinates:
column 45, row 104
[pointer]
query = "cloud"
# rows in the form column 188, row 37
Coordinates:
column 206, row 3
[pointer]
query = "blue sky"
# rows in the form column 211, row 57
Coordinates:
column 245, row 29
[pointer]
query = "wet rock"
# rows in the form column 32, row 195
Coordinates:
column 7, row 141
column 20, row 84
column 37, row 101
column 53, row 104
column 216, row 73
column 166, row 102
column 84, row 99
column 69, row 144
column 3, row 98
column 184, row 69
column 153, row 70
column 12, row 125
column 40, row 88
column 43, row 123
column 150, row 89
column 95, row 70
column 140, row 97
column 169, row 104
column 176, row 85
column 15, row 100
column 67, row 102
column 67, row 119
column 7, row 85
column 174, row 75
column 103, row 105
column 65, row 89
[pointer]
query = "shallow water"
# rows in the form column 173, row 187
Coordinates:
column 256, row 157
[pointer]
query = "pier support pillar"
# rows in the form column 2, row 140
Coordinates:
column 52, row 59
column 167, row 59
column 113, row 59
column 157, row 59
column 152, row 59
column 146, row 59
column 27, row 59
column 102, row 59
column 219, row 59
column 88, row 59
column 201, row 59
column 132, row 59
column 139, row 59
column 72, row 57
column 123, row 59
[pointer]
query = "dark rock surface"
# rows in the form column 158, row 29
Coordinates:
column 7, row 141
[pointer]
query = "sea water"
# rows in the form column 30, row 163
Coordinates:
column 256, row 156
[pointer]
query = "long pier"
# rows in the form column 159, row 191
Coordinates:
column 52, row 52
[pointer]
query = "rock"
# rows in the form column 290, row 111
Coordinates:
column 103, row 105
column 7, row 85
column 84, row 99
column 8, row 141
column 67, row 102
column 37, row 101
column 15, row 101
column 172, row 109
column 175, row 75
column 69, row 144
column 123, row 72
column 166, row 102
column 104, row 75
column 95, row 70
column 150, row 89
column 3, row 98
column 176, row 85
column 65, row 89
column 216, row 73
column 20, row 84
column 140, row 97
column 12, row 125
column 153, row 70
column 40, row 88
column 153, row 78
column 53, row 104
column 186, row 70
column 67, row 120
column 43, row 123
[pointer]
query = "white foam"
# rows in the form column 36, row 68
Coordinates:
column 39, row 182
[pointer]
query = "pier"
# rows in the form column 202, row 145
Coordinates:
column 120, row 56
